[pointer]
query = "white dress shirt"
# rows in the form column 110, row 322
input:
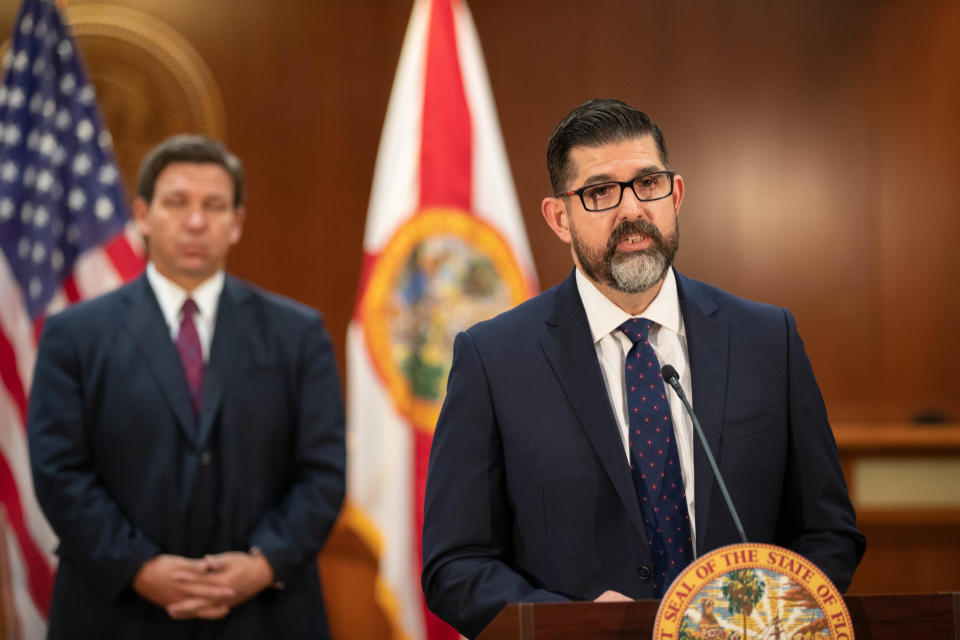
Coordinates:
column 669, row 341
column 171, row 297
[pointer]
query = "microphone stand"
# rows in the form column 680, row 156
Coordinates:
column 673, row 379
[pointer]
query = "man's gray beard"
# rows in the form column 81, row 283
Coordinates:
column 638, row 271
column 635, row 271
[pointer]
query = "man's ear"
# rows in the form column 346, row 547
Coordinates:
column 141, row 216
column 555, row 213
column 677, row 192
column 239, row 217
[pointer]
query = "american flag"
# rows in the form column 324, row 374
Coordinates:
column 63, row 237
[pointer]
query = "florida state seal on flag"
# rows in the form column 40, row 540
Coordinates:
column 444, row 248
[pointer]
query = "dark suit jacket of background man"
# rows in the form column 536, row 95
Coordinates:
column 529, row 496
column 123, row 471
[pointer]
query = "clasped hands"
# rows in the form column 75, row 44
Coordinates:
column 205, row 587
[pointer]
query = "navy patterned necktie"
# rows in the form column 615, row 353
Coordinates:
column 654, row 462
column 191, row 353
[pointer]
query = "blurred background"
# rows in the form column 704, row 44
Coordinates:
column 818, row 141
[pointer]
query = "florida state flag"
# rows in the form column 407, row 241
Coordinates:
column 444, row 247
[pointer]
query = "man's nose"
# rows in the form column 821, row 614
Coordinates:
column 196, row 217
column 631, row 206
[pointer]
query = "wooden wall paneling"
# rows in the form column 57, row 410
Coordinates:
column 911, row 548
column 909, row 552
column 917, row 98
column 779, row 150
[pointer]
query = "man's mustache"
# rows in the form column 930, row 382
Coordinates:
column 633, row 227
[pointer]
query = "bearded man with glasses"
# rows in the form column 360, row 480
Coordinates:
column 561, row 469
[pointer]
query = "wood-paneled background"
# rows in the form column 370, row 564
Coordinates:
column 818, row 140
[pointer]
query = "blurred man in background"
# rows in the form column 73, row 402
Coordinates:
column 187, row 432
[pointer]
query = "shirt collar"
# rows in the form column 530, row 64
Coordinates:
column 604, row 317
column 171, row 296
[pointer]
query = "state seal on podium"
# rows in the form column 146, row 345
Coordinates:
column 752, row 591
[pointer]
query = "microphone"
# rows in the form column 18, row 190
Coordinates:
column 671, row 377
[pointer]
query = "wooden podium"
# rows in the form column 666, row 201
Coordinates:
column 931, row 616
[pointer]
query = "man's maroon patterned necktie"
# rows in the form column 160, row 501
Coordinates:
column 191, row 354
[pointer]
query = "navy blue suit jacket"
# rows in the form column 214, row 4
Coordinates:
column 529, row 496
column 124, row 471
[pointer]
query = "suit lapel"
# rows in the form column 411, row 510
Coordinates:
column 569, row 348
column 225, row 351
column 152, row 338
column 708, row 341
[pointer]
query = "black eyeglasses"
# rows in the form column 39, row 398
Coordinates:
column 607, row 195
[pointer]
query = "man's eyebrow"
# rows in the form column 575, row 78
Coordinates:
column 605, row 177
column 649, row 169
column 600, row 177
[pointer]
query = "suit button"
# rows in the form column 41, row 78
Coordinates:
column 644, row 572
column 205, row 458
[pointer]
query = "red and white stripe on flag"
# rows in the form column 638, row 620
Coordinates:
column 444, row 247
column 64, row 237
column 30, row 541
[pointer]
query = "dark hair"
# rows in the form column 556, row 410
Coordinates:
column 188, row 148
column 592, row 124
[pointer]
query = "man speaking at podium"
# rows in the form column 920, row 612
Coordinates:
column 562, row 468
